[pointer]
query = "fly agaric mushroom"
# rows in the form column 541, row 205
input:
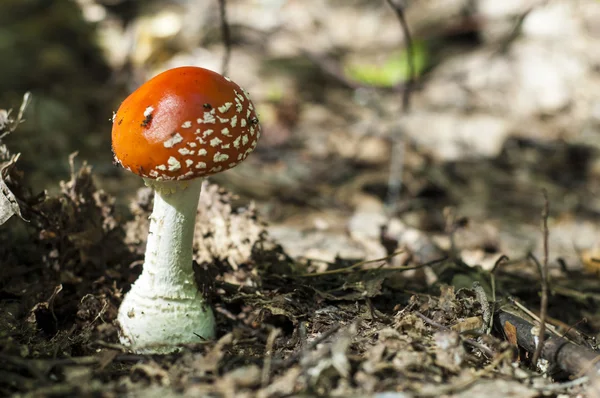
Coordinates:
column 180, row 126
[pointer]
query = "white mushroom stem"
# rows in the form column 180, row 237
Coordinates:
column 164, row 307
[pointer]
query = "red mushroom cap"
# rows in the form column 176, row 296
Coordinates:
column 185, row 123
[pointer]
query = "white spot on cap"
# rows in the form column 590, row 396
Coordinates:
column 189, row 162
column 207, row 133
column 232, row 164
column 161, row 167
column 244, row 139
column 200, row 165
column 251, row 130
column 250, row 106
column 248, row 113
column 187, row 124
column 192, row 144
column 225, row 107
column 153, row 173
column 234, row 121
column 236, row 143
column 225, row 146
column 225, row 132
column 215, row 141
column 220, row 157
column 183, row 151
column 148, row 111
column 222, row 119
column 238, row 106
column 176, row 139
column 243, row 122
column 239, row 157
column 240, row 96
column 174, row 164
column 208, row 118
column 202, row 152
column 216, row 169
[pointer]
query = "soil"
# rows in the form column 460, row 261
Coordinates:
column 323, row 283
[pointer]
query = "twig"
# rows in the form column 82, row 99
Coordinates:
column 386, row 269
column 398, row 7
column 501, row 260
column 544, row 281
column 266, row 371
column 225, row 35
column 516, row 30
column 397, row 158
column 353, row 266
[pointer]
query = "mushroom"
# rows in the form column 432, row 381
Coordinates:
column 182, row 125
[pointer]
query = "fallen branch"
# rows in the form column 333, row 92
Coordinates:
column 569, row 357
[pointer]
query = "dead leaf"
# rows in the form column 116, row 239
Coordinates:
column 473, row 323
column 42, row 314
column 510, row 331
column 591, row 260
column 8, row 202
column 449, row 351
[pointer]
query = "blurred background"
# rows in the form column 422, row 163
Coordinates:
column 505, row 102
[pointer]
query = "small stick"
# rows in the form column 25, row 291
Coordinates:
column 398, row 7
column 501, row 260
column 266, row 372
column 387, row 269
column 544, row 280
column 353, row 266
column 225, row 35
column 397, row 160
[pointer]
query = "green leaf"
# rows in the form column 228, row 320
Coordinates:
column 394, row 70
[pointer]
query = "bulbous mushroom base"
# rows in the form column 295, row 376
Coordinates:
column 158, row 325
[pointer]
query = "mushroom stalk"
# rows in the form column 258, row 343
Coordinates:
column 164, row 306
column 180, row 126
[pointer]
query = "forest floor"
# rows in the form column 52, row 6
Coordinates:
column 321, row 283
